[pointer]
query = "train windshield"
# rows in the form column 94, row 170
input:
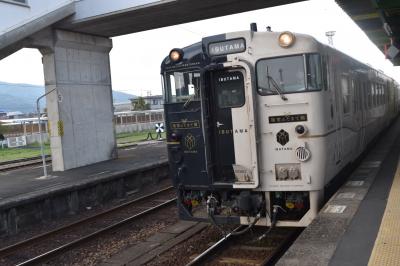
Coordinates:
column 182, row 86
column 289, row 74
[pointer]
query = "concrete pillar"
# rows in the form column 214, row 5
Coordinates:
column 80, row 112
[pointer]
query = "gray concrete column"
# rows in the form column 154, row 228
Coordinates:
column 80, row 112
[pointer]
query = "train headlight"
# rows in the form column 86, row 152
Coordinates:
column 282, row 173
column 301, row 130
column 286, row 39
column 176, row 55
column 287, row 171
column 294, row 173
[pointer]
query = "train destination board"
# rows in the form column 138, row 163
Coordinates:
column 185, row 124
column 227, row 47
column 287, row 118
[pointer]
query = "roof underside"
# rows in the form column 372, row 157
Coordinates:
column 164, row 13
column 379, row 19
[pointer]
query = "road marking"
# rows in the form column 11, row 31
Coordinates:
column 46, row 177
column 335, row 208
column 346, row 195
column 100, row 173
column 128, row 149
column 355, row 183
column 371, row 164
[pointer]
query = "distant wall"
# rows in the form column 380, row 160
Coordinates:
column 129, row 128
column 36, row 138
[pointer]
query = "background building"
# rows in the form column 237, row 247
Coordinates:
column 154, row 101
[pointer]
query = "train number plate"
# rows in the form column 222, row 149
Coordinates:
column 287, row 118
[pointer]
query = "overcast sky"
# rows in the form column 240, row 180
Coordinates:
column 136, row 58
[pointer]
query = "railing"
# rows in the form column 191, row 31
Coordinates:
column 121, row 118
column 135, row 117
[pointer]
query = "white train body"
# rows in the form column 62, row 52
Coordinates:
column 308, row 112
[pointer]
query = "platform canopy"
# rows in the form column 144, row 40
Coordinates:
column 380, row 20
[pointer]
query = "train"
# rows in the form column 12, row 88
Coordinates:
column 260, row 123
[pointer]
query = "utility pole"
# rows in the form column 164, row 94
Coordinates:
column 330, row 35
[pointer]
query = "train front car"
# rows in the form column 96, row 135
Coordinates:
column 240, row 109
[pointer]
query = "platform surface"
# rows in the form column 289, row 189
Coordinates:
column 361, row 218
column 29, row 182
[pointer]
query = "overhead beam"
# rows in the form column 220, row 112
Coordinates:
column 375, row 18
column 165, row 13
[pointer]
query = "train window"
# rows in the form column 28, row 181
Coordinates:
column 285, row 72
column 314, row 77
column 368, row 91
column 182, row 86
column 379, row 94
column 366, row 95
column 325, row 71
column 230, row 89
column 385, row 94
column 354, row 88
column 345, row 94
column 289, row 75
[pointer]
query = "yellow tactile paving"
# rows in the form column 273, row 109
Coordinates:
column 387, row 244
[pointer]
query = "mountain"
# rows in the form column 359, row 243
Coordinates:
column 22, row 97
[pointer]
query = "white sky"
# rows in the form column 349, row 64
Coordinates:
column 136, row 58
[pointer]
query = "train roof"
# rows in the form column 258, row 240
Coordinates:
column 196, row 54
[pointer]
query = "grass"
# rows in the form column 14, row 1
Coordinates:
column 33, row 150
column 128, row 138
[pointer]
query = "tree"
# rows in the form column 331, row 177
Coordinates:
column 3, row 130
column 139, row 104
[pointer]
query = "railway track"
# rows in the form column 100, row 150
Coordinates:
column 11, row 165
column 246, row 249
column 35, row 250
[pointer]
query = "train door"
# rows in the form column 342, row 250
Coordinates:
column 355, row 84
column 234, row 153
column 228, row 94
column 362, row 108
column 337, row 112
column 184, row 125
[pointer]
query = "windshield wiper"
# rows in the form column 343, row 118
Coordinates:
column 188, row 101
column 277, row 88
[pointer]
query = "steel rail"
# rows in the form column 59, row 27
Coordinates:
column 213, row 249
column 281, row 249
column 271, row 259
column 12, row 165
column 20, row 245
column 52, row 253
column 22, row 160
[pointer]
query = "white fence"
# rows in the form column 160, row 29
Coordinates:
column 14, row 142
column 129, row 128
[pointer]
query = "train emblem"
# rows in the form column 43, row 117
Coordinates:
column 282, row 137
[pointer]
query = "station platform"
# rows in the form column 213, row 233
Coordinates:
column 360, row 224
column 26, row 196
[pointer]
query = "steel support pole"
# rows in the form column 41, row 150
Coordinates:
column 40, row 132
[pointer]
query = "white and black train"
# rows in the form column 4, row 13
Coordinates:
column 260, row 123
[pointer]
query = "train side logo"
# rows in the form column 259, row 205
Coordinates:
column 190, row 141
column 282, row 137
